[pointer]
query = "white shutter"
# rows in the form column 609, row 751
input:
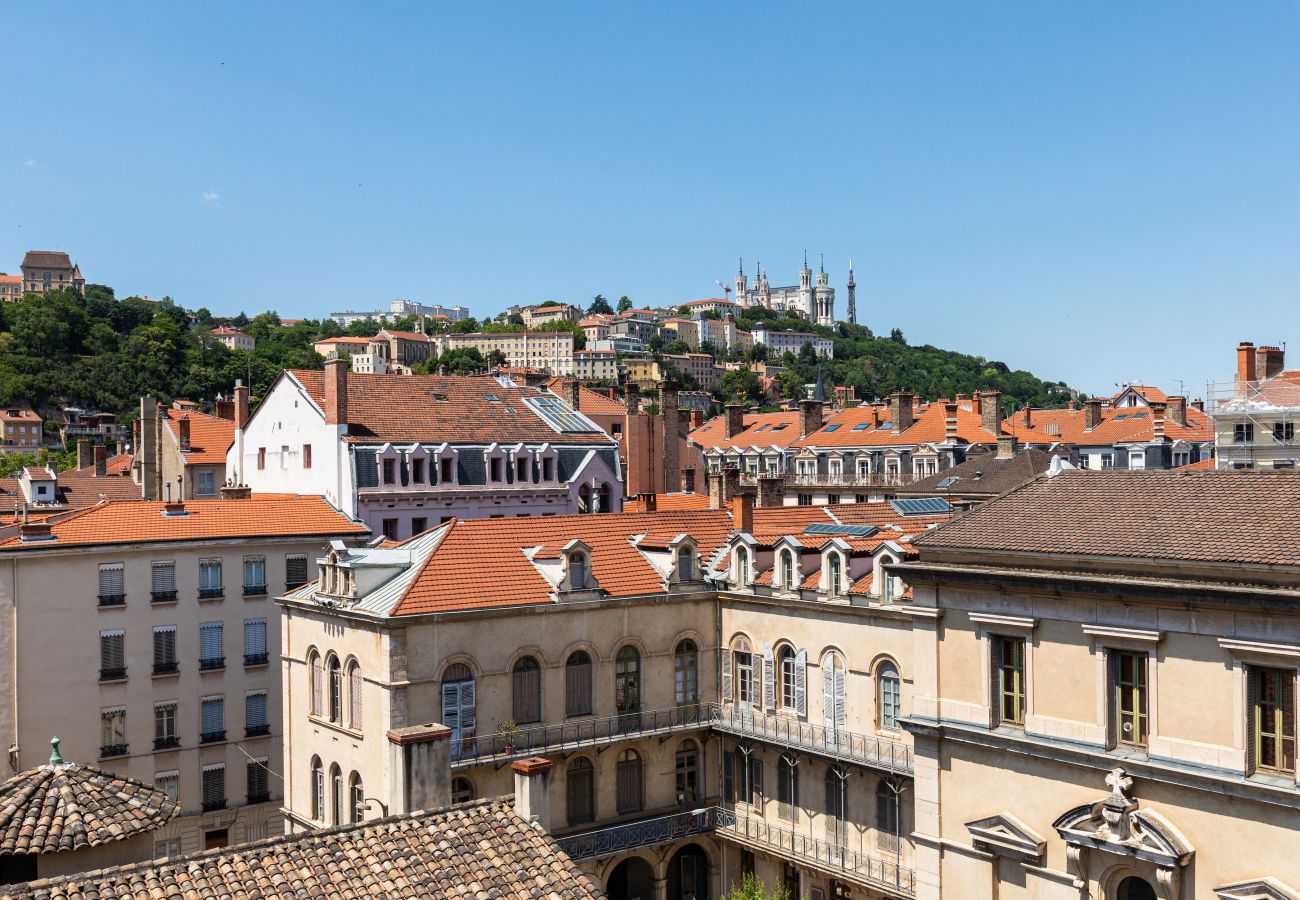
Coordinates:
column 801, row 682
column 354, row 693
column 210, row 640
column 112, row 580
column 841, row 720
column 726, row 674
column 828, row 693
column 317, row 685
column 254, row 636
column 769, row 679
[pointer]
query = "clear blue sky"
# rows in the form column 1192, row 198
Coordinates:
column 1092, row 191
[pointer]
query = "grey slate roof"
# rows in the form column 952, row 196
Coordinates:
column 471, row 468
column 983, row 475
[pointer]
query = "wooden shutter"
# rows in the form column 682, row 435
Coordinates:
column 577, row 688
column 354, row 694
column 828, row 692
column 801, row 682
column 1252, row 719
column 468, row 708
column 726, row 674
column 729, row 776
column 1112, row 698
column 451, row 708
column 769, row 679
column 995, row 681
column 756, row 780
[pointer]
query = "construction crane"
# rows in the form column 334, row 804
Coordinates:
column 725, row 290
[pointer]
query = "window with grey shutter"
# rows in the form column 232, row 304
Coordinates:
column 255, row 642
column 769, row 679
column 354, row 695
column 527, row 690
column 801, row 682
column 212, row 723
column 255, row 718
column 577, row 684
column 112, row 584
column 259, row 785
column 164, row 650
column 629, row 799
column 112, row 655
column 214, row 787
column 295, row 572
column 211, row 655
column 162, row 586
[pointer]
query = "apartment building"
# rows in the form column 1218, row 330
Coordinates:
column 551, row 351
column 402, row 308
column 180, row 451
column 779, row 343
column 43, row 490
column 151, row 624
column 233, row 338
column 11, row 288
column 405, row 452
column 22, row 429
column 1256, row 414
column 51, row 270
column 535, row 316
column 1103, row 697
column 595, row 365
column 666, row 665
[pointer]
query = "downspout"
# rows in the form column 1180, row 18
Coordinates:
column 13, row 675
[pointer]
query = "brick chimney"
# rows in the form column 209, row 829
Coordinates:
column 573, row 392
column 235, row 492
column 85, row 454
column 533, row 790
column 1198, row 404
column 648, row 501
column 419, row 765
column 1007, row 446
column 742, row 512
column 696, row 418
column 183, row 432
column 1027, row 415
column 100, row 461
column 991, row 411
column 241, row 405
column 1178, row 410
column 336, row 392
column 1158, row 421
column 147, row 449
column 900, row 403
column 224, row 409
column 632, row 398
column 1269, row 361
column 950, row 421
column 771, row 491
column 733, row 420
column 1091, row 413
column 1245, row 362
column 668, row 411
column 723, row 487
column 810, row 416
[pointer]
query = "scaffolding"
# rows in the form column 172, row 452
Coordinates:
column 1256, row 423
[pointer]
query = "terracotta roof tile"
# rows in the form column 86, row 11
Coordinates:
column 667, row 502
column 779, row 429
column 210, row 436
column 589, row 401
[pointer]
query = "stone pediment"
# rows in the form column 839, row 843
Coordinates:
column 1005, row 835
column 1256, row 889
column 1115, row 824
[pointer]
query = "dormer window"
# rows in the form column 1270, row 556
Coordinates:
column 788, row 570
column 495, row 469
column 444, row 471
column 742, row 567
column 834, row 574
column 577, row 571
column 685, row 564
column 417, row 471
column 548, row 469
column 389, row 471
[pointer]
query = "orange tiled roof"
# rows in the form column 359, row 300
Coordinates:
column 454, row 408
column 210, row 436
column 1203, row 464
column 11, row 279
column 405, row 335
column 142, row 521
column 345, row 339
column 18, row 414
column 1118, row 426
column 589, row 401
column 779, row 429
column 226, row 330
column 669, row 502
column 78, row 488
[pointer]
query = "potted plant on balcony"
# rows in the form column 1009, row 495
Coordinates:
column 508, row 735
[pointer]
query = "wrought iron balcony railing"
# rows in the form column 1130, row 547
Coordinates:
column 845, row 746
column 579, row 734
column 619, row 838
column 162, row 596
column 112, row 599
column 882, row 874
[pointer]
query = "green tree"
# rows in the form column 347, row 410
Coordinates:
column 599, row 305
column 752, row 888
column 624, row 303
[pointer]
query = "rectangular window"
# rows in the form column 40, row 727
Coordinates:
column 390, row 471
column 444, row 471
column 214, row 787
column 167, row 782
column 417, row 471
column 255, row 642
column 1128, row 677
column 295, row 572
column 1009, row 680
column 805, row 499
column 261, row 458
column 259, row 785
column 164, row 650
column 212, row 719
column 546, row 469
column 207, row 484
column 254, row 575
column 112, row 741
column 211, row 653
column 163, row 582
column 112, row 655
column 1108, row 460
column 390, row 529
column 164, row 725
column 496, row 470
column 1243, row 432
column 255, row 716
column 209, row 578
column 306, row 456
column 166, row 847
column 284, row 458
column 112, row 584
column 1283, row 432
column 419, row 525
column 1272, row 719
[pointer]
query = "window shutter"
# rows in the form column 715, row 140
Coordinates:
column 254, row 636
column 112, row 653
column 468, row 711
column 828, row 693
column 318, row 686
column 451, row 707
column 801, row 682
column 210, row 640
column 577, row 688
column 995, row 681
column 164, row 644
column 214, row 784
column 729, row 776
column 769, row 679
column 255, row 710
column 214, row 715
column 112, row 580
column 726, row 674
column 1112, row 705
column 1252, row 719
column 164, row 577
column 354, row 692
column 295, row 571
column 756, row 778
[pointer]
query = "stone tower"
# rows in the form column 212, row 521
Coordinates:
column 823, row 298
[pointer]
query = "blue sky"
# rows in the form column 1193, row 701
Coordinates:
column 1096, row 192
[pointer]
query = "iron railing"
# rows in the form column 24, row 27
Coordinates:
column 850, row 479
column 845, row 746
column 619, row 838
column 827, row 856
column 578, row 734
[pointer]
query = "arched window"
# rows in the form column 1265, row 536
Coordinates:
column 627, row 687
column 743, row 656
column 686, row 674
column 787, row 570
column 887, row 696
column 354, row 696
column 338, row 800
column 317, row 683
column 356, row 799
column 462, row 790
column 834, row 569
column 886, row 816
column 685, row 564
column 1134, row 888
column 317, row 790
column 785, row 672
column 336, row 689
column 527, row 678
column 580, row 792
column 459, row 701
column 577, row 684
column 584, row 498
column 577, row 571
column 742, row 567
column 688, row 773
column 629, row 782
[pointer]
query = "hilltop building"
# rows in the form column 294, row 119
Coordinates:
column 51, row 270
column 399, row 309
column 815, row 302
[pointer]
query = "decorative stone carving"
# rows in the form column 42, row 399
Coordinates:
column 1268, row 888
column 1005, row 835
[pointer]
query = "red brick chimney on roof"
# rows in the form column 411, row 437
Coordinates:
column 1245, row 362
column 241, row 405
column 336, row 392
column 1178, row 410
column 1092, row 413
column 573, row 392
column 1269, row 361
column 901, row 403
column 950, row 422
column 85, row 454
column 101, row 461
column 733, row 422
column 742, row 512
column 991, row 411
column 1158, row 421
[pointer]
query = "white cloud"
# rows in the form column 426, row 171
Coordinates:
column 29, row 162
column 212, row 198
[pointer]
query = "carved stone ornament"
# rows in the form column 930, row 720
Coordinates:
column 1116, row 825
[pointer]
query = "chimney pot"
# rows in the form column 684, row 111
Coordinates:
column 648, row 500
column 532, row 790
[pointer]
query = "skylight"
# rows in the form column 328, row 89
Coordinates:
column 949, row 482
column 858, row 531
column 560, row 417
column 832, row 427
column 862, row 426
column 923, row 506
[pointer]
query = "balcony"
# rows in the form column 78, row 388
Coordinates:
column 170, row 742
column 108, row 751
column 212, row 737
column 212, row 804
column 166, row 668
column 256, row 730
column 255, row 659
column 848, row 480
column 162, row 596
column 211, row 593
column 605, row 842
column 212, row 663
column 112, row 599
column 889, row 876
column 259, row 797
column 118, row 674
column 254, row 590
column 578, row 735
column 844, row 746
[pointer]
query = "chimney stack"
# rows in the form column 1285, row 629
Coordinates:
column 573, row 392
column 668, row 412
column 991, row 411
column 533, row 790
column 742, row 512
column 147, row 448
column 901, row 408
column 1091, row 413
column 183, row 432
column 1198, row 404
column 1245, row 362
column 1269, row 361
column 1158, row 421
column 734, row 420
column 419, row 765
column 810, row 416
column 100, row 460
column 225, row 409
column 648, row 501
column 1006, row 446
column 336, row 392
column 723, row 487
column 1178, row 410
column 85, row 454
column 950, row 422
column 632, row 397
column 771, row 491
column 235, row 492
column 241, row 405
column 1028, row 417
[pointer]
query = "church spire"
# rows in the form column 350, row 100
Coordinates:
column 821, row 265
